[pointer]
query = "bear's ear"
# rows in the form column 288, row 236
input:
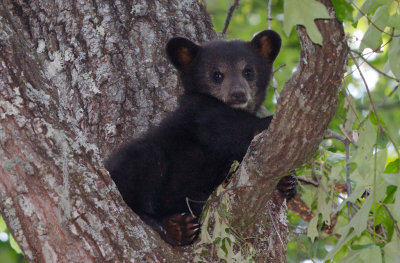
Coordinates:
column 181, row 52
column 268, row 43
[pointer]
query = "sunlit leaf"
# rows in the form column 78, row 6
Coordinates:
column 370, row 5
column 393, row 167
column 359, row 246
column 304, row 14
column 3, row 226
column 372, row 38
column 14, row 245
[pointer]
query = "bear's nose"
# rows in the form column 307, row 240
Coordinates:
column 238, row 96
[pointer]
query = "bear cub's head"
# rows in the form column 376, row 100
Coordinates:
column 235, row 72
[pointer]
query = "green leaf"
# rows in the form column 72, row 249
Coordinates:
column 324, row 208
column 372, row 254
column 363, row 174
column 382, row 217
column 372, row 38
column 15, row 245
column 392, row 179
column 359, row 246
column 223, row 247
column 344, row 10
column 370, row 5
column 393, row 167
column 359, row 221
column 394, row 21
column 369, row 254
column 304, row 14
column 372, row 118
column 3, row 226
column 312, row 231
column 394, row 56
column 396, row 206
column 342, row 241
column 392, row 250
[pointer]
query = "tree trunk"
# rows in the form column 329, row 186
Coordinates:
column 78, row 78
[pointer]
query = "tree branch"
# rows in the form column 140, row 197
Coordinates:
column 229, row 15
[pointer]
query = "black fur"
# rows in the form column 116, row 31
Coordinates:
column 190, row 152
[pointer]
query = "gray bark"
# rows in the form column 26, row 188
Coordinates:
column 79, row 78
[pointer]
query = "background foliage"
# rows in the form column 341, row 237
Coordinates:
column 349, row 190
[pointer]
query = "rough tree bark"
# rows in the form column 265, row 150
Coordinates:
column 78, row 78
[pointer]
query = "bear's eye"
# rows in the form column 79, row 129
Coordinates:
column 248, row 73
column 217, row 76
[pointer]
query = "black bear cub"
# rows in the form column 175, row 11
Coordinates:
column 190, row 152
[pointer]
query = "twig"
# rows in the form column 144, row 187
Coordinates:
column 387, row 106
column 330, row 134
column 370, row 21
column 307, row 180
column 393, row 143
column 269, row 18
column 373, row 51
column 360, row 55
column 273, row 78
column 368, row 92
column 278, row 68
column 382, row 105
column 348, row 182
column 229, row 15
column 388, row 96
column 346, row 95
column 346, row 140
column 350, row 139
